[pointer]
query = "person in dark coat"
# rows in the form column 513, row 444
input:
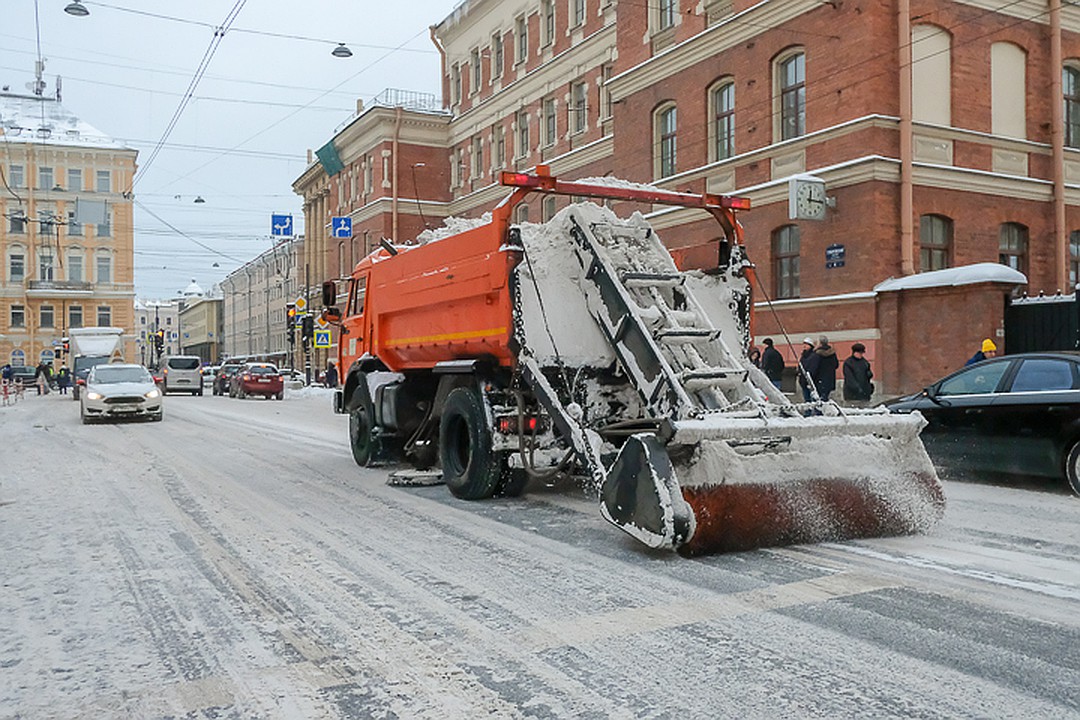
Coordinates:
column 331, row 376
column 808, row 363
column 988, row 350
column 827, row 365
column 754, row 356
column 772, row 362
column 63, row 379
column 857, row 373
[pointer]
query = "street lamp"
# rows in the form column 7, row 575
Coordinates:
column 77, row 9
column 341, row 51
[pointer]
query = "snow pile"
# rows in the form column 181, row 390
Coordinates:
column 309, row 391
column 614, row 182
column 452, row 226
column 951, row 277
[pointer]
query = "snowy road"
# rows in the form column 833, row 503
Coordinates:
column 232, row 561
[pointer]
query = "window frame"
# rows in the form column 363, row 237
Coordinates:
column 107, row 259
column 551, row 127
column 16, row 251
column 104, row 315
column 665, row 140
column 1074, row 258
column 522, row 135
column 521, row 39
column 105, row 175
column 579, row 107
column 578, row 13
column 497, row 58
column 49, row 312
column 722, row 120
column 45, row 172
column 786, row 262
column 1070, row 76
column 666, row 12
column 548, row 17
column 17, row 316
column 790, row 96
column 933, row 248
column 75, row 180
column 1014, row 243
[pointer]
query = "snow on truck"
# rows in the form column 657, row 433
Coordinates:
column 90, row 346
column 505, row 352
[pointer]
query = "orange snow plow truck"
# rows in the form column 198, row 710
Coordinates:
column 506, row 352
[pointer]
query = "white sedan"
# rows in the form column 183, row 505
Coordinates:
column 120, row 390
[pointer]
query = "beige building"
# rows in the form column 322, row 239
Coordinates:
column 201, row 328
column 66, row 234
column 151, row 316
column 253, row 305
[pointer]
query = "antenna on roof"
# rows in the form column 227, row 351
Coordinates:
column 57, row 88
column 39, row 84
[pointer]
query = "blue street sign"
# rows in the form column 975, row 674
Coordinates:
column 281, row 225
column 341, row 227
column 835, row 256
column 322, row 338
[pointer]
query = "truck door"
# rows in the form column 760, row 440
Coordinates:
column 355, row 335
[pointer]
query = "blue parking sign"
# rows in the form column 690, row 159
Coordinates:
column 281, row 225
column 341, row 227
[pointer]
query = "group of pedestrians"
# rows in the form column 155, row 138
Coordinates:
column 816, row 370
column 44, row 377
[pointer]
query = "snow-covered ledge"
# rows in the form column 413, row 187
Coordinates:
column 951, row 277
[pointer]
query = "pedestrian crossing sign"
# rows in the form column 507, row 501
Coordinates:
column 322, row 338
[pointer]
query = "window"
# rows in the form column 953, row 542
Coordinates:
column 579, row 106
column 73, row 228
column 522, row 39
column 45, row 178
column 577, row 10
column 1044, row 375
column 976, row 381
column 104, row 181
column 1008, row 73
column 500, row 146
column 104, row 268
column 105, row 229
column 931, row 75
column 47, row 356
column 104, row 316
column 75, row 316
column 18, row 316
column 785, row 242
column 1012, row 246
column 550, row 131
column 1070, row 84
column 665, row 17
column 665, row 141
column 547, row 210
column 549, row 22
column 75, row 178
column 477, row 158
column 723, row 105
column 496, row 55
column 1074, row 258
column 168, row 320
column 459, row 167
column 75, row 271
column 605, row 93
column 521, row 213
column 16, row 177
column 45, row 264
column 45, row 316
column 523, row 133
column 935, row 242
column 476, row 75
column 792, row 86
column 455, row 85
column 18, row 358
column 17, row 224
column 16, row 266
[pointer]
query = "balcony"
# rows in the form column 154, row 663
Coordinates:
column 58, row 288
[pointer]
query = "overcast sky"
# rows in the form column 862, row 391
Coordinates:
column 266, row 97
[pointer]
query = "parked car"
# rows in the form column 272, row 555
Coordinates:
column 182, row 373
column 23, row 374
column 1017, row 414
column 120, row 390
column 209, row 372
column 223, row 378
column 257, row 379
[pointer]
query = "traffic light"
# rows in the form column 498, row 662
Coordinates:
column 307, row 327
column 159, row 340
column 290, row 315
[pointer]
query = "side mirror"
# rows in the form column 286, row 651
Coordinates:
column 329, row 293
column 331, row 315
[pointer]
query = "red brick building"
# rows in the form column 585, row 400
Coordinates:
column 927, row 135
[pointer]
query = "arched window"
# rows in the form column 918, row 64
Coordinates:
column 1070, row 85
column 790, row 88
column 1074, row 258
column 666, row 127
column 931, row 75
column 1008, row 107
column 935, row 242
column 785, row 246
column 18, row 357
column 103, row 267
column 722, row 112
column 47, row 356
column 1013, row 246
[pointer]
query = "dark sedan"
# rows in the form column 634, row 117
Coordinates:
column 1017, row 414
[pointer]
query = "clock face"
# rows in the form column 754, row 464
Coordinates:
column 810, row 200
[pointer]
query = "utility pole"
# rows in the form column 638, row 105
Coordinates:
column 305, row 336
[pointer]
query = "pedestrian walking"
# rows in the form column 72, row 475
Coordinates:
column 772, row 362
column 754, row 356
column 8, row 373
column 41, row 377
column 808, row 364
column 857, row 374
column 331, row 375
column 63, row 379
column 827, row 365
column 988, row 350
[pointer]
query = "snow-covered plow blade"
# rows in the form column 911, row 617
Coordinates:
column 740, row 484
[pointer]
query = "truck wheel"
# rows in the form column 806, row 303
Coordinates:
column 470, row 468
column 1072, row 467
column 360, row 439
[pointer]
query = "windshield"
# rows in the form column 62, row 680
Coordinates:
column 85, row 362
column 184, row 363
column 262, row 370
column 105, row 375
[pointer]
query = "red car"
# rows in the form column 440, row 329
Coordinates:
column 257, row 379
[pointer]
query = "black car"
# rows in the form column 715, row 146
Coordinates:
column 1018, row 414
column 25, row 374
column 224, row 377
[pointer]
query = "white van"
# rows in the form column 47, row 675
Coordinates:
column 182, row 373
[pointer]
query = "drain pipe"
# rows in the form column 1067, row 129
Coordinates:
column 1057, row 141
column 442, row 63
column 394, row 178
column 907, row 202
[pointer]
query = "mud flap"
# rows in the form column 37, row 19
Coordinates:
column 641, row 495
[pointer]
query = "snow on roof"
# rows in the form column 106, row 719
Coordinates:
column 949, row 277
column 193, row 290
column 1043, row 299
column 39, row 119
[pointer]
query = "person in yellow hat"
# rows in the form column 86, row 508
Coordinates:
column 988, row 350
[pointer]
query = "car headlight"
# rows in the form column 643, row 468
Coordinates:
column 153, row 393
column 93, row 395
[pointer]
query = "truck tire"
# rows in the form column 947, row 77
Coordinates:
column 470, row 468
column 360, row 436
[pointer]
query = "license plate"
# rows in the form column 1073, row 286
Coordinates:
column 264, row 380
